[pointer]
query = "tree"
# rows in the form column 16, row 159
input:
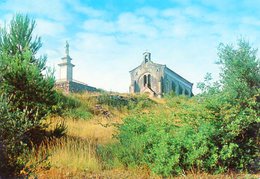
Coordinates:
column 22, row 72
column 20, row 38
column 240, row 68
column 236, row 107
column 28, row 95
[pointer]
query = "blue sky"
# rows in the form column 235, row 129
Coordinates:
column 107, row 37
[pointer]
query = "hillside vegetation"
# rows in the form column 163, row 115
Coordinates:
column 47, row 134
column 122, row 136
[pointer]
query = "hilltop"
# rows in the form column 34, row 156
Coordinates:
column 92, row 122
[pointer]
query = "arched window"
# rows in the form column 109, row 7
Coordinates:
column 173, row 87
column 149, row 81
column 136, row 87
column 186, row 92
column 167, row 86
column 180, row 90
column 145, row 80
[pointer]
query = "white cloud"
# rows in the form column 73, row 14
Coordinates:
column 126, row 24
column 131, row 24
column 49, row 9
column 99, row 26
column 221, row 5
column 49, row 28
column 171, row 12
column 194, row 12
column 182, row 2
column 89, row 11
column 148, row 11
column 251, row 21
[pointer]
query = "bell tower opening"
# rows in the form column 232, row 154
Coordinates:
column 147, row 57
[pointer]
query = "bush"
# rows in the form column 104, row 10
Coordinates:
column 131, row 103
column 166, row 146
column 115, row 101
column 140, row 102
column 79, row 113
column 66, row 102
column 13, row 148
column 73, row 107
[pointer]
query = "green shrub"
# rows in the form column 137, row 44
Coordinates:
column 73, row 107
column 236, row 107
column 116, row 101
column 79, row 113
column 131, row 103
column 13, row 148
column 66, row 102
column 165, row 147
column 140, row 102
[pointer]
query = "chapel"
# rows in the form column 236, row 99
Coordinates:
column 157, row 80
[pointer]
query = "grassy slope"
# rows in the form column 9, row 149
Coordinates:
column 75, row 154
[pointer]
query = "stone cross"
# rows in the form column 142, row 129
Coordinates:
column 67, row 48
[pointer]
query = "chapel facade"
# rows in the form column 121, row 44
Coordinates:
column 157, row 80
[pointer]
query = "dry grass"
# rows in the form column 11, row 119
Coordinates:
column 98, row 129
column 220, row 176
column 74, row 156
column 106, row 174
column 90, row 129
column 71, row 154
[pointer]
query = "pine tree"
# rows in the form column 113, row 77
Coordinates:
column 22, row 72
column 28, row 95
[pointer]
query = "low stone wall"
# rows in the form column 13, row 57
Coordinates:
column 72, row 86
column 64, row 86
column 78, row 87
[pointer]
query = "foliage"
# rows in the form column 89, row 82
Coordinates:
column 67, row 101
column 208, row 87
column 13, row 149
column 214, row 132
column 19, row 37
column 166, row 146
column 28, row 86
column 240, row 71
column 128, row 102
column 73, row 107
column 79, row 113
column 22, row 72
column 237, row 113
column 112, row 100
column 138, row 103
